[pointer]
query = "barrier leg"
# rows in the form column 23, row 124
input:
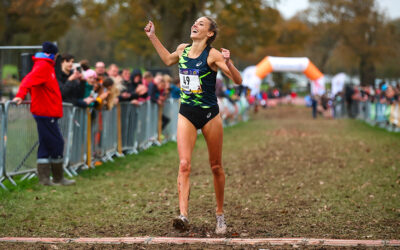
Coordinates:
column 25, row 176
column 1, row 183
column 2, row 186
column 66, row 170
column 31, row 176
column 11, row 180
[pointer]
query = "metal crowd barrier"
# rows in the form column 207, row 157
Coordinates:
column 233, row 112
column 244, row 108
column 109, row 134
column 339, row 108
column 3, row 140
column 147, row 125
column 77, row 146
column 21, row 140
column 153, row 124
column 171, row 110
column 141, row 131
column 380, row 114
column 362, row 111
column 66, row 130
column 129, row 120
column 89, row 134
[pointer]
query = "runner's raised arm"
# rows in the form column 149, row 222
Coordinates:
column 167, row 57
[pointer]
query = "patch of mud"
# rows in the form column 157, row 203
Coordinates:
column 288, row 133
column 285, row 112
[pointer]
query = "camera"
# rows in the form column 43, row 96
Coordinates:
column 77, row 66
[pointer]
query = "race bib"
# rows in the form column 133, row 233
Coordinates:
column 190, row 81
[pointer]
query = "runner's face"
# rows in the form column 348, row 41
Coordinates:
column 200, row 29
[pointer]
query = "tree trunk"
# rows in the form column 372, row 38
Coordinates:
column 367, row 71
column 176, row 29
column 8, row 33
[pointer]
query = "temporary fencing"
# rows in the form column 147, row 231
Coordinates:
column 375, row 113
column 128, row 127
column 104, row 134
column 76, row 147
column 20, row 140
column 171, row 107
column 153, row 121
column 141, row 133
column 90, row 135
column 2, row 145
column 233, row 112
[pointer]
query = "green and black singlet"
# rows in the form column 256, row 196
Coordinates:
column 198, row 100
column 197, row 80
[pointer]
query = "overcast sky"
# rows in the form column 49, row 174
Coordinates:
column 289, row 7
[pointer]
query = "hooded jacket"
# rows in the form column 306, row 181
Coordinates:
column 43, row 87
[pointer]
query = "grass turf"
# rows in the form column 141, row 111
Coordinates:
column 287, row 176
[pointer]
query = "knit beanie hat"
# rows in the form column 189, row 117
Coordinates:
column 90, row 73
column 49, row 47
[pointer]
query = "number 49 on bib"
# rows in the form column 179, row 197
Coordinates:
column 190, row 81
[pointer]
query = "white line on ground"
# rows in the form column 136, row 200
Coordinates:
column 218, row 241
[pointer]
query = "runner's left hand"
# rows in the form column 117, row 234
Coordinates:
column 226, row 54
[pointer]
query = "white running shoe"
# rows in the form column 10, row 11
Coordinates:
column 221, row 225
column 181, row 223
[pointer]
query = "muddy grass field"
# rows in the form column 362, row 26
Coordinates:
column 287, row 175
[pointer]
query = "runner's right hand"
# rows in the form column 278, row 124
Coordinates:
column 149, row 29
column 226, row 54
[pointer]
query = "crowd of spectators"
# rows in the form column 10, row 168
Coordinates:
column 384, row 93
column 351, row 95
column 104, row 87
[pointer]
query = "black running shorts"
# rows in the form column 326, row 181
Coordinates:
column 198, row 116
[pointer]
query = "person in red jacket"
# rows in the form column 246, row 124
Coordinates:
column 46, row 108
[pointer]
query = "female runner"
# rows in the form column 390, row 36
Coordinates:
column 198, row 66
